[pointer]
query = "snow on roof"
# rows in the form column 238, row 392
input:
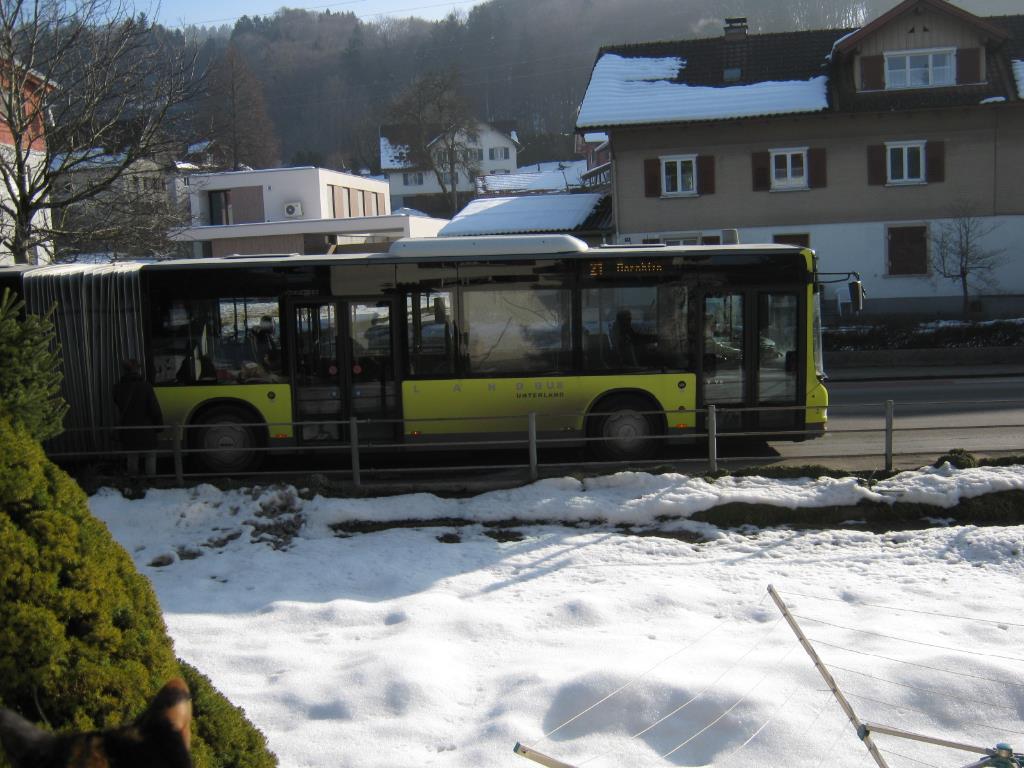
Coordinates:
column 595, row 137
column 94, row 157
column 534, row 213
column 539, row 177
column 1018, row 71
column 198, row 148
column 637, row 90
column 569, row 167
column 181, row 165
column 392, row 155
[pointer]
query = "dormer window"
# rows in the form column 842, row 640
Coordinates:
column 920, row 69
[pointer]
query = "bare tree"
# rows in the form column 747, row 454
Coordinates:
column 79, row 80
column 136, row 216
column 441, row 128
column 235, row 115
column 959, row 251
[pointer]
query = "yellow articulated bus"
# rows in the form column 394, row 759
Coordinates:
column 449, row 338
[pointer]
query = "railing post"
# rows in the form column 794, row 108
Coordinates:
column 532, row 429
column 353, row 438
column 888, row 435
column 712, row 439
column 178, row 440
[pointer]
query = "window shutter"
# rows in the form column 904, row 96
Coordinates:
column 908, row 250
column 968, row 65
column 876, row 164
column 761, row 167
column 652, row 177
column 935, row 161
column 705, row 174
column 817, row 170
column 872, row 73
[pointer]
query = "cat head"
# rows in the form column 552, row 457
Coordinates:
column 159, row 738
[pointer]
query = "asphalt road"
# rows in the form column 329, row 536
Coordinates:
column 930, row 416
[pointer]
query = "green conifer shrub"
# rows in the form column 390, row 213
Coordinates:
column 30, row 375
column 82, row 640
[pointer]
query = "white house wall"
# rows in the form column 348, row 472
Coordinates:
column 862, row 248
column 308, row 186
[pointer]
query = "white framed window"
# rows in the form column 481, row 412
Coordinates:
column 414, row 179
column 905, row 162
column 498, row 153
column 920, row 69
column 789, row 168
column 473, row 154
column 678, row 175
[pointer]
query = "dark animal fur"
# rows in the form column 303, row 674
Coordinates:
column 159, row 738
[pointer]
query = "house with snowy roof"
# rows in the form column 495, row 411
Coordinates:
column 492, row 151
column 865, row 144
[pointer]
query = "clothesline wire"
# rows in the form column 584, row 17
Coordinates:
column 774, row 671
column 908, row 640
column 924, row 690
column 764, row 636
column 907, row 757
column 988, row 726
column 636, row 679
column 915, row 664
column 997, row 622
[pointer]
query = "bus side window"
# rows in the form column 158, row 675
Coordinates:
column 430, row 332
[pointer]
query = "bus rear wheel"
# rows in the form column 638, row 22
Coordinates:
column 225, row 441
column 624, row 429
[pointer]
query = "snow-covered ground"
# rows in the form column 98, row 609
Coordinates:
column 396, row 648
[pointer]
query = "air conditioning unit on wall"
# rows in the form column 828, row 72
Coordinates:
column 293, row 210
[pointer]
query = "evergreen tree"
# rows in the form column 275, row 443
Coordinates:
column 31, row 373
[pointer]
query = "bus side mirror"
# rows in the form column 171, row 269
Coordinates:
column 857, row 295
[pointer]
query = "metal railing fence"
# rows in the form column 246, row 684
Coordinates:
column 182, row 447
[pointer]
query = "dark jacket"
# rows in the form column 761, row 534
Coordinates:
column 137, row 406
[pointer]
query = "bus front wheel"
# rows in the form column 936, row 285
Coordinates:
column 622, row 428
column 226, row 441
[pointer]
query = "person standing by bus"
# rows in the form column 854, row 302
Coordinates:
column 137, row 407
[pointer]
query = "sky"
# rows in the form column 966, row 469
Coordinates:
column 175, row 13
column 443, row 646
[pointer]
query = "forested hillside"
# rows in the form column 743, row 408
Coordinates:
column 328, row 78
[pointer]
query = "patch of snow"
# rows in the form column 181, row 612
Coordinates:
column 634, row 91
column 1018, row 72
column 993, row 100
column 394, row 648
column 532, row 213
column 595, row 137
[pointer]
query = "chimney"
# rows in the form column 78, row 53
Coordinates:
column 736, row 28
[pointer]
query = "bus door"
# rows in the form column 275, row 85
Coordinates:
column 778, row 371
column 317, row 374
column 370, row 367
column 344, row 367
column 725, row 359
column 750, row 359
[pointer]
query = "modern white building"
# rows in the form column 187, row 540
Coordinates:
column 294, row 210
